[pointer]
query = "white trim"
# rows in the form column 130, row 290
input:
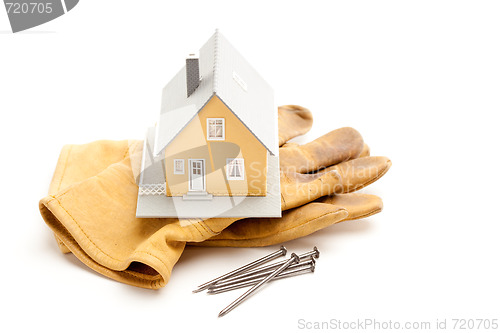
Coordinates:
column 242, row 171
column 178, row 172
column 203, row 173
column 243, row 85
column 153, row 189
column 143, row 160
column 63, row 6
column 223, row 130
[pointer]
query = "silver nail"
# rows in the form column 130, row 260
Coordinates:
column 259, row 275
column 285, row 274
column 311, row 254
column 254, row 289
column 269, row 257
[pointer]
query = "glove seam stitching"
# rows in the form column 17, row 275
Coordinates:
column 255, row 238
column 65, row 230
column 284, row 202
column 157, row 258
column 127, row 149
column 207, row 228
column 197, row 229
column 357, row 217
column 83, row 232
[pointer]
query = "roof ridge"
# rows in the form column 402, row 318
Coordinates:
column 216, row 61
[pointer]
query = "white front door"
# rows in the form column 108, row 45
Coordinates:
column 197, row 175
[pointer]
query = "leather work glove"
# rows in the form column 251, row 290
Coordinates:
column 93, row 195
column 339, row 157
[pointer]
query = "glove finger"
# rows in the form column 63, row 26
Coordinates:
column 358, row 205
column 63, row 248
column 335, row 147
column 293, row 224
column 293, row 120
column 95, row 220
column 360, row 172
column 79, row 162
column 150, row 273
column 298, row 189
column 365, row 152
column 297, row 222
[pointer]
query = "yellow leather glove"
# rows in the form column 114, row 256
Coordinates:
column 340, row 154
column 92, row 201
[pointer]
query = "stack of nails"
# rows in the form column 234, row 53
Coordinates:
column 255, row 275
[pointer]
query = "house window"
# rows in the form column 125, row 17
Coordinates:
column 235, row 169
column 178, row 167
column 215, row 129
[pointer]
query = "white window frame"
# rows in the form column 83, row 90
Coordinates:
column 223, row 130
column 229, row 161
column 178, row 172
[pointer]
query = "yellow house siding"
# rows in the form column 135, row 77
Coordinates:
column 239, row 142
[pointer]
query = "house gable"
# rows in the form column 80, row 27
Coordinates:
column 192, row 143
column 225, row 73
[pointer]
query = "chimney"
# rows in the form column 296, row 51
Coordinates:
column 192, row 73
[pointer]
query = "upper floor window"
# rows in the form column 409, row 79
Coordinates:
column 215, row 129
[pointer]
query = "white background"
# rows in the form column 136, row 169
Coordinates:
column 419, row 79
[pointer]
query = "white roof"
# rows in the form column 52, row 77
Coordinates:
column 228, row 75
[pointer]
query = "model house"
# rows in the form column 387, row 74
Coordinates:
column 216, row 138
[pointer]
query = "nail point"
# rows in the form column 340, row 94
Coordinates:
column 198, row 290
